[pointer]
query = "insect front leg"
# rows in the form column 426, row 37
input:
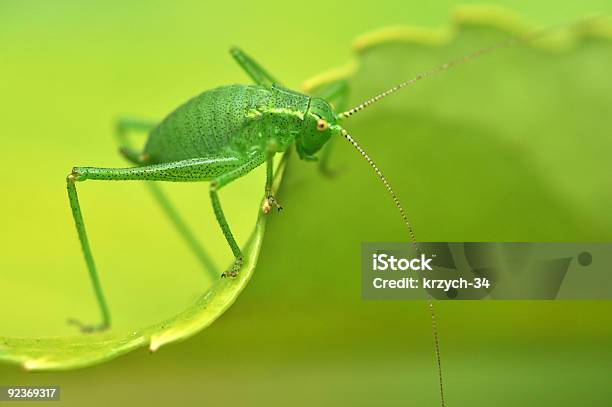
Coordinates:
column 215, row 185
column 259, row 75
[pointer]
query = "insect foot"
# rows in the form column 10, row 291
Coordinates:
column 233, row 271
column 86, row 329
column 268, row 203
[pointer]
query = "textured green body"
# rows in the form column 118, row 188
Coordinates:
column 229, row 121
column 217, row 136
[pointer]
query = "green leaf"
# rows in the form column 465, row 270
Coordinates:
column 87, row 349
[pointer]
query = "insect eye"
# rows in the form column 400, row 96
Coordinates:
column 322, row 125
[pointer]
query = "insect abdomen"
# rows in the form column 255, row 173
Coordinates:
column 204, row 125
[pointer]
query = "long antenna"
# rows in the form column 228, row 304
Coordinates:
column 398, row 205
column 483, row 51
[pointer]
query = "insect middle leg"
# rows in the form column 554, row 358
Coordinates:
column 127, row 125
column 215, row 185
column 199, row 169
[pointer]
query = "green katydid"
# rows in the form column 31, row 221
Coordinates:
column 221, row 135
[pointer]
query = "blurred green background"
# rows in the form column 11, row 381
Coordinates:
column 300, row 333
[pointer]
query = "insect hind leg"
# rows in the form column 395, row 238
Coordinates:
column 215, row 185
column 91, row 267
column 197, row 169
column 123, row 128
column 259, row 75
